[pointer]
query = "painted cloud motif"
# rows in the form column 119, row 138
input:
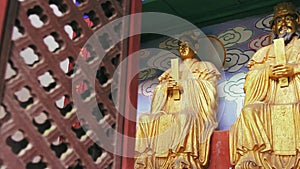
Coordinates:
column 236, row 59
column 161, row 61
column 259, row 42
column 144, row 53
column 147, row 87
column 233, row 90
column 146, row 74
column 169, row 44
column 264, row 23
column 235, row 36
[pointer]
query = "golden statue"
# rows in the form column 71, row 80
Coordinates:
column 267, row 133
column 176, row 133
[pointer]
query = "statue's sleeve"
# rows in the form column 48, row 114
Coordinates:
column 159, row 98
column 208, row 72
column 200, row 102
column 160, row 93
column 257, row 80
column 214, row 72
column 203, row 90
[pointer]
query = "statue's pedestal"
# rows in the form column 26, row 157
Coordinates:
column 219, row 154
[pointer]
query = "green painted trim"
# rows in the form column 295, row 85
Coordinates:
column 213, row 15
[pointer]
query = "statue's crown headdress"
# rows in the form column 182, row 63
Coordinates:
column 190, row 38
column 282, row 9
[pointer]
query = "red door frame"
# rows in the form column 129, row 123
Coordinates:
column 129, row 126
column 8, row 13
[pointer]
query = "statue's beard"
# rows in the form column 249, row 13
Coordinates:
column 287, row 36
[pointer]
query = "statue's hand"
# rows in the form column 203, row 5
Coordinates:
column 171, row 84
column 164, row 77
column 281, row 70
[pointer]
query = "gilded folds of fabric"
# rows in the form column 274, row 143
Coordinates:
column 177, row 132
column 267, row 130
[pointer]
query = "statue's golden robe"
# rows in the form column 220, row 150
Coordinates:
column 268, row 129
column 180, row 130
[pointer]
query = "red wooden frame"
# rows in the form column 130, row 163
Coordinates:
column 129, row 127
column 8, row 13
column 3, row 7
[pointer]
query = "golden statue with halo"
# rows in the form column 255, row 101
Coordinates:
column 267, row 133
column 176, row 133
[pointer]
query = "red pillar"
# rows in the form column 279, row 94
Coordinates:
column 8, row 13
column 219, row 150
column 133, row 65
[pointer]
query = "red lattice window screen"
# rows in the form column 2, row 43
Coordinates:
column 38, row 123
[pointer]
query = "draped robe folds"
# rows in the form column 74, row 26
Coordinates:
column 184, row 133
column 269, row 124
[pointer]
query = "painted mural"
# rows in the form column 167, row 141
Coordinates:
column 241, row 39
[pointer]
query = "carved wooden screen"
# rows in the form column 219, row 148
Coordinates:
column 38, row 123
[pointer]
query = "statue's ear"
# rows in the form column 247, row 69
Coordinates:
column 298, row 18
column 298, row 23
column 272, row 24
column 273, row 28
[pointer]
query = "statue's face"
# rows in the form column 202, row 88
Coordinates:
column 185, row 51
column 285, row 24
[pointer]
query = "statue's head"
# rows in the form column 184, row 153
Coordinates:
column 285, row 23
column 187, row 45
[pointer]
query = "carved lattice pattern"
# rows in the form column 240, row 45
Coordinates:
column 38, row 123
